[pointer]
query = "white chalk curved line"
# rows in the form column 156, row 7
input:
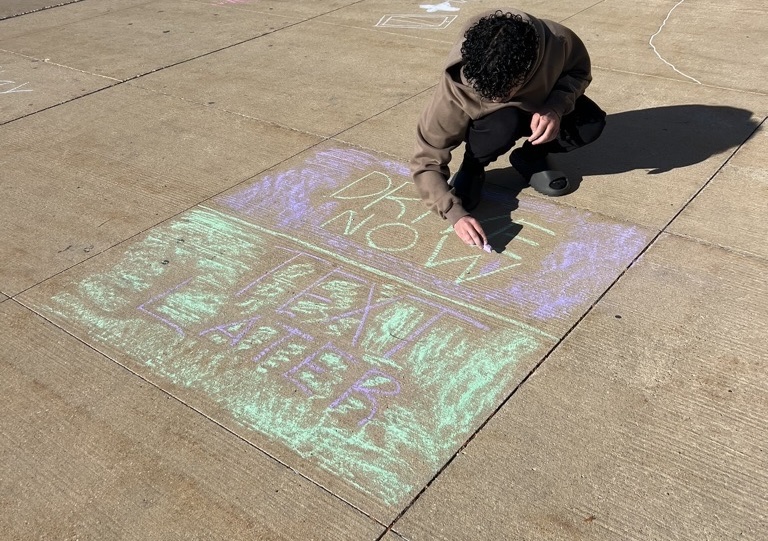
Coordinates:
column 650, row 42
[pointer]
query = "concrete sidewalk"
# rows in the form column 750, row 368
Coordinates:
column 225, row 314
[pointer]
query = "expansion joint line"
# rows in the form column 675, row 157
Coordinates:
column 40, row 9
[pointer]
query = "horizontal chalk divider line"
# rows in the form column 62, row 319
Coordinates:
column 386, row 275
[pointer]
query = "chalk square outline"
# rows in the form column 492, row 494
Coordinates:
column 416, row 21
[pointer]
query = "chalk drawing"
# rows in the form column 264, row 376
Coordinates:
column 418, row 21
column 372, row 380
column 15, row 89
column 650, row 42
column 323, row 313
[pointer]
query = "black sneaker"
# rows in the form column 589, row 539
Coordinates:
column 468, row 183
column 536, row 170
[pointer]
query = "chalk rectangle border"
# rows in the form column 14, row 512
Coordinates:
column 417, row 21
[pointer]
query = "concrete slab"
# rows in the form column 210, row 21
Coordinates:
column 62, row 15
column 337, row 395
column 91, row 451
column 121, row 161
column 13, row 8
column 730, row 211
column 275, row 72
column 165, row 31
column 313, row 314
column 337, row 326
column 393, row 130
column 685, row 41
column 28, row 85
column 648, row 422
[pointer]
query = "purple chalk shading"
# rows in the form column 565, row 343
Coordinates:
column 577, row 270
column 397, row 168
column 234, row 339
column 156, row 298
column 309, row 364
column 490, row 267
column 290, row 193
column 292, row 332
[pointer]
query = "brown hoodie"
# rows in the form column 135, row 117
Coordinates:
column 559, row 76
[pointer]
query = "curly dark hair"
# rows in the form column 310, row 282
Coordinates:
column 498, row 52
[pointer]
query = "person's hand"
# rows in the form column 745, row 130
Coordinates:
column 545, row 125
column 470, row 231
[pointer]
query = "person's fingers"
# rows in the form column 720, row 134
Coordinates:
column 478, row 229
column 482, row 234
column 535, row 118
column 478, row 235
column 470, row 232
column 538, row 126
column 549, row 133
column 539, row 139
column 477, row 240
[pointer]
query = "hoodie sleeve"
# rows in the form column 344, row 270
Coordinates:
column 576, row 74
column 441, row 128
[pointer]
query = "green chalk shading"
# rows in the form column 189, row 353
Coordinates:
column 278, row 336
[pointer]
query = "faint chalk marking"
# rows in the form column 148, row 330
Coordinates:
column 650, row 42
column 443, row 6
column 17, row 88
column 430, row 22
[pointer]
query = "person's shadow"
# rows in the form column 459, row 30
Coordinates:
column 658, row 140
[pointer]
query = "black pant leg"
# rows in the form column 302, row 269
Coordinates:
column 580, row 127
column 493, row 135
